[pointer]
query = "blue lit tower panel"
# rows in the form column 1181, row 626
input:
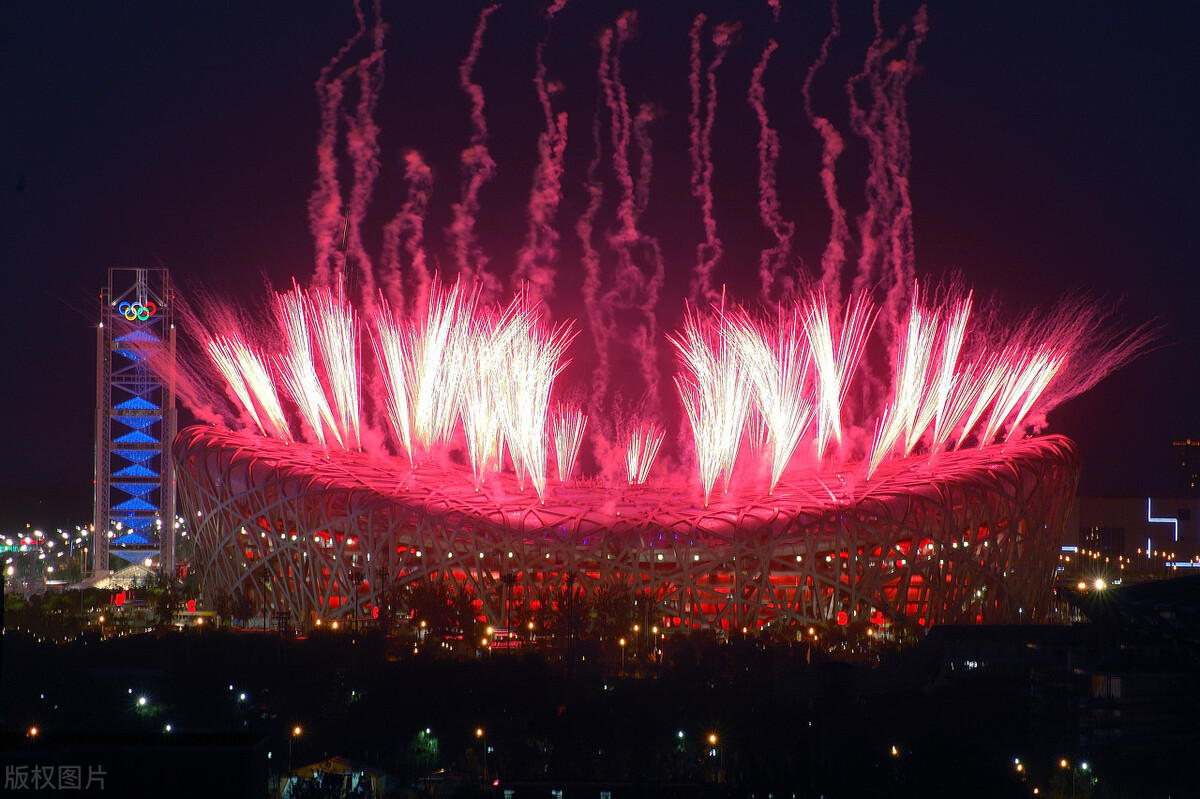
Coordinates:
column 135, row 420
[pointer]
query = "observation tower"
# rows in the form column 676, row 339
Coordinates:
column 135, row 420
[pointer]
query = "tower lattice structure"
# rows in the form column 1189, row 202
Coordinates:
column 135, row 420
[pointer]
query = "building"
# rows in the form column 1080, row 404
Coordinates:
column 963, row 537
column 1187, row 467
column 135, row 421
column 1134, row 537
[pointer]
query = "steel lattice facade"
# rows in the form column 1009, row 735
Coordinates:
column 964, row 537
column 134, row 502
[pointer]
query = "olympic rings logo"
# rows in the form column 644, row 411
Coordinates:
column 137, row 312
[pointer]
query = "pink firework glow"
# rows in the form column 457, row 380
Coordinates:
column 836, row 354
column 527, row 358
column 247, row 376
column 715, row 390
column 393, row 355
column 440, row 360
column 566, row 429
column 644, row 443
column 778, row 361
column 924, row 375
column 831, row 369
column 335, row 331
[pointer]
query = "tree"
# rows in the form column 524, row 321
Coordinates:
column 166, row 603
column 391, row 596
column 223, row 605
column 429, row 601
column 166, row 599
column 244, row 607
column 464, row 613
column 612, row 611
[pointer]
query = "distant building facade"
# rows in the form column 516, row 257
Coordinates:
column 1187, row 467
column 1146, row 534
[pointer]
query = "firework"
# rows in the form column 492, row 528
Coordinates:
column 924, row 377
column 1025, row 378
column 779, row 364
column 715, row 390
column 644, row 442
column 335, row 331
column 940, row 407
column 392, row 343
column 985, row 388
column 454, row 373
column 440, row 363
column 298, row 367
column 246, row 374
column 459, row 378
column 528, row 357
column 566, row 430
column 835, row 360
column 481, row 419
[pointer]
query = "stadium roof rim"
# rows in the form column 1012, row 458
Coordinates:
column 442, row 486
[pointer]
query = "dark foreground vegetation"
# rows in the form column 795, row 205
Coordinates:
column 707, row 718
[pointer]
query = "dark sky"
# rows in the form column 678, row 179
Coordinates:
column 1054, row 149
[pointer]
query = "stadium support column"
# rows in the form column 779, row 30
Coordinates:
column 135, row 420
column 100, row 479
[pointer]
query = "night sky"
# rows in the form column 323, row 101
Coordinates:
column 1053, row 144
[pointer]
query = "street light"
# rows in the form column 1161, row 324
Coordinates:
column 720, row 752
column 1083, row 766
column 295, row 734
column 622, row 643
column 483, row 737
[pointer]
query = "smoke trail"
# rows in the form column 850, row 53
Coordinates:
column 646, row 115
column 325, row 202
column 362, row 144
column 599, row 321
column 887, row 258
column 773, row 260
column 834, row 256
column 478, row 169
column 708, row 253
column 535, row 262
column 694, row 65
column 619, row 128
column 632, row 289
column 408, row 228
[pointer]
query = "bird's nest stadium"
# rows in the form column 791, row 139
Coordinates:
column 963, row 537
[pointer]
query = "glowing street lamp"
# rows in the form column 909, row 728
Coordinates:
column 482, row 736
column 622, row 643
column 1083, row 766
column 719, row 752
column 295, row 734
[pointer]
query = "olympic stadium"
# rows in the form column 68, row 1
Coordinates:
column 961, row 537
